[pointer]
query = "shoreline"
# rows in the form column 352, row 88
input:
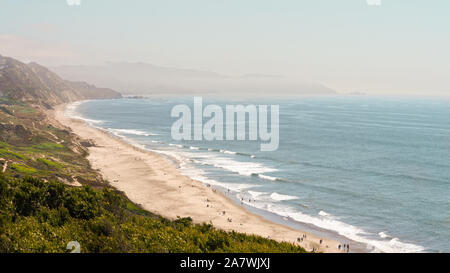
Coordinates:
column 153, row 182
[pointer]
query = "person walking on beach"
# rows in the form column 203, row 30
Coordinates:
column 348, row 248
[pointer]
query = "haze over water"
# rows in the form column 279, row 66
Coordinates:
column 375, row 170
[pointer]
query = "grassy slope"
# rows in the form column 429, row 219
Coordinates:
column 32, row 146
column 41, row 214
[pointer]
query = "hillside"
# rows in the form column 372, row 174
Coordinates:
column 50, row 195
column 35, row 84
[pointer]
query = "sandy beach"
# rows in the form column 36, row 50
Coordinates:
column 157, row 185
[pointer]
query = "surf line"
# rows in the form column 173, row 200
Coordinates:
column 213, row 129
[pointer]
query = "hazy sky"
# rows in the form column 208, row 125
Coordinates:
column 400, row 46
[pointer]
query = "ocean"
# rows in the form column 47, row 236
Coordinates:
column 374, row 170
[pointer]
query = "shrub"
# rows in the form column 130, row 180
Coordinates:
column 38, row 216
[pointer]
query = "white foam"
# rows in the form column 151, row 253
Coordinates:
column 194, row 148
column 131, row 132
column 90, row 121
column 234, row 186
column 256, row 194
column 176, row 145
column 240, row 167
column 281, row 197
column 233, row 153
column 228, row 152
column 267, row 177
column 200, row 175
column 329, row 222
column 323, row 213
column 71, row 111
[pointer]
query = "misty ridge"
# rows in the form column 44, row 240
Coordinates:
column 146, row 79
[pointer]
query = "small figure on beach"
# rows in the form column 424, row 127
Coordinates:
column 320, row 241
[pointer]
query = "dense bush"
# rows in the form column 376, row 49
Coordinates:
column 37, row 216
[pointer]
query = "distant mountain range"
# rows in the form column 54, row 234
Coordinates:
column 148, row 79
column 33, row 83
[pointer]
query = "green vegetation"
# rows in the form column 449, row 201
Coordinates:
column 48, row 146
column 7, row 101
column 23, row 169
column 38, row 216
column 8, row 153
column 33, row 146
column 50, row 163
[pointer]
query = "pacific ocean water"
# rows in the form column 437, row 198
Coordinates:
column 375, row 170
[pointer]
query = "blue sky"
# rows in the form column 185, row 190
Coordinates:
column 401, row 46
